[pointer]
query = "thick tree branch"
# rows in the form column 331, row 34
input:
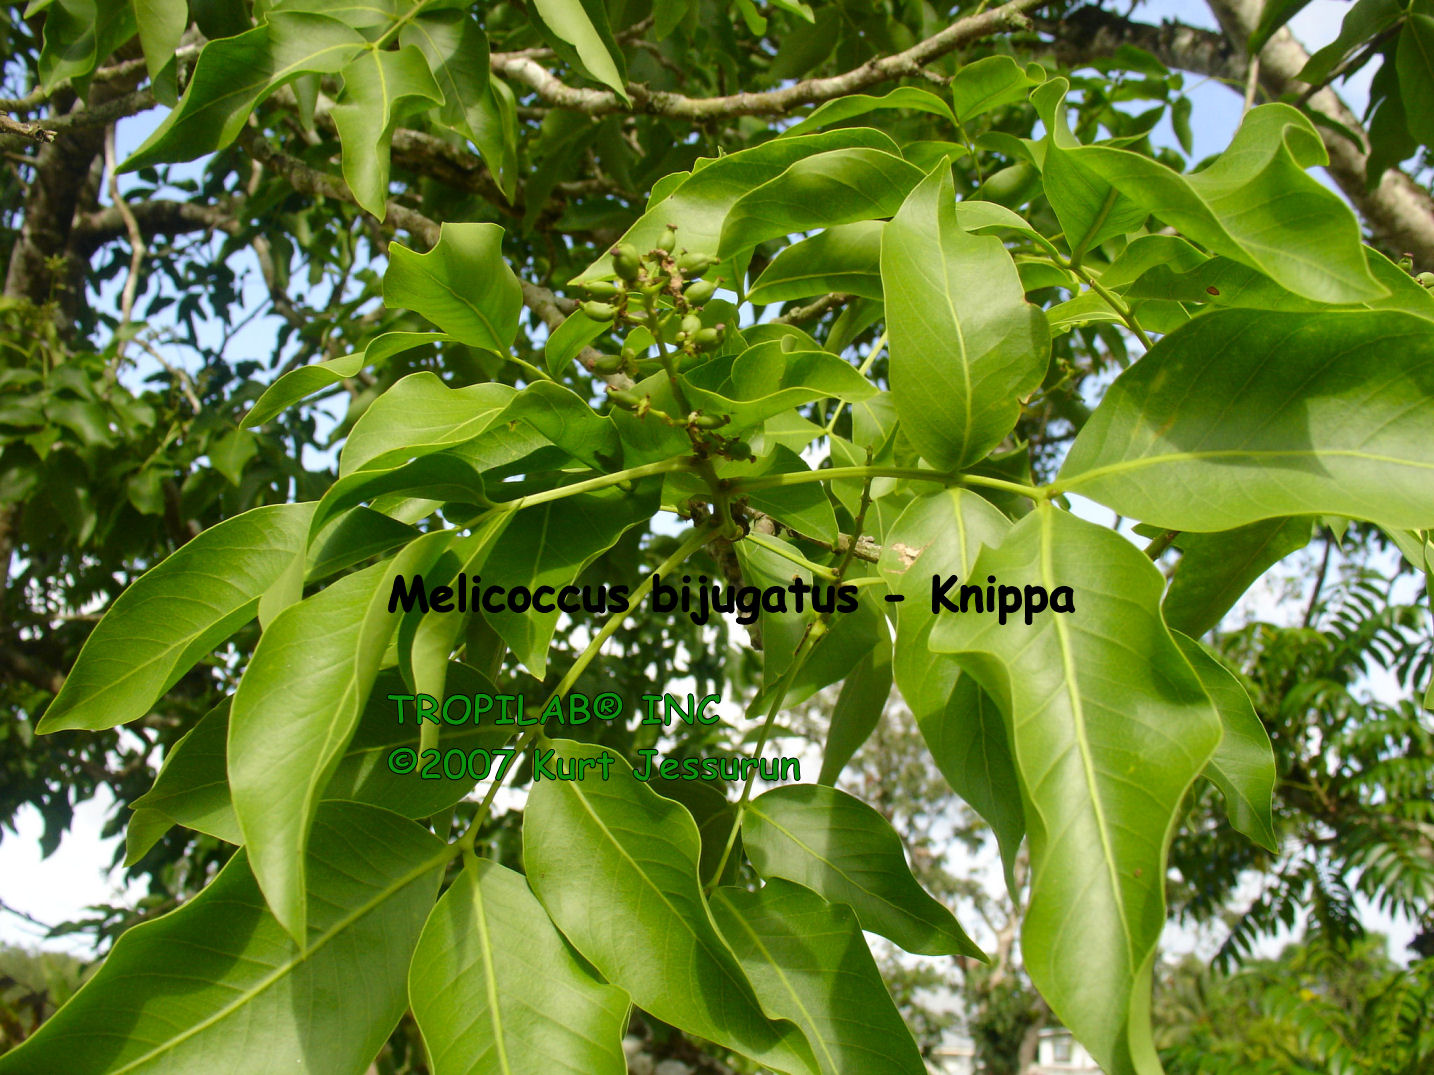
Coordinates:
column 33, row 132
column 554, row 91
column 1092, row 33
column 156, row 217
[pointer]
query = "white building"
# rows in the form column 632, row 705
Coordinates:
column 1057, row 1053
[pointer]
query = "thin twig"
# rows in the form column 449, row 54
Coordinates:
column 136, row 245
column 181, row 377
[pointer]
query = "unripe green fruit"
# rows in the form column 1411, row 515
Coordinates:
column 707, row 421
column 668, row 239
column 707, row 337
column 599, row 311
column 601, row 289
column 626, row 261
column 626, row 400
column 699, row 292
column 608, row 364
column 1425, row 278
column 739, row 450
column 694, row 265
column 691, row 324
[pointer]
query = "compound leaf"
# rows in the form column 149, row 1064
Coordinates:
column 174, row 614
column 615, row 864
column 843, row 849
column 220, row 985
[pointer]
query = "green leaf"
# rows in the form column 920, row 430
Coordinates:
column 844, row 850
column 1256, row 204
column 568, row 339
column 936, row 536
column 699, row 203
column 568, row 421
column 1243, row 766
column 78, row 35
column 809, row 963
column 306, row 380
column 1090, row 210
column 796, row 7
column 1180, row 111
column 550, row 545
column 1220, row 282
column 965, row 344
column 1414, row 61
column 1243, row 415
column 841, row 186
column 615, row 864
column 218, row 985
column 1109, row 726
column 846, row 258
column 193, row 786
column 456, row 49
column 767, row 562
column 857, row 712
column 463, row 285
column 362, row 772
column 174, row 614
column 360, row 14
column 1365, row 20
column 295, row 710
column 353, row 537
column 192, row 790
column 234, row 74
column 380, row 89
column 571, row 22
column 1275, row 14
column 762, row 381
column 1216, row 569
column 495, row 990
column 989, row 83
column 714, row 814
column 418, row 415
column 910, row 98
column 161, row 24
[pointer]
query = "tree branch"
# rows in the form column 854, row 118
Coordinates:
column 554, row 91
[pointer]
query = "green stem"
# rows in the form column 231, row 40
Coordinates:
column 1160, row 543
column 864, row 369
column 1115, row 302
column 769, row 481
column 694, row 541
column 602, row 481
column 530, row 369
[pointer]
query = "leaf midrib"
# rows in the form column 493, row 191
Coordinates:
column 432, row 862
column 1127, row 465
column 1071, row 680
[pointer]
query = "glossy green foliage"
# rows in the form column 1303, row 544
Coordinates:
column 220, row 984
column 495, row 989
column 647, row 356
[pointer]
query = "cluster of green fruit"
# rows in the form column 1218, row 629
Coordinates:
column 633, row 298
